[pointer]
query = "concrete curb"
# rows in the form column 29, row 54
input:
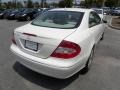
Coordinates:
column 110, row 25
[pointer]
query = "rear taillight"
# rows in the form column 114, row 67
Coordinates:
column 13, row 39
column 66, row 50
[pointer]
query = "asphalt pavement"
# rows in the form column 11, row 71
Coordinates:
column 115, row 23
column 103, row 75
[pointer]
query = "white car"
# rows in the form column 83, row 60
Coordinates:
column 60, row 42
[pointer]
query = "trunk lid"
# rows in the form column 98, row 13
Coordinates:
column 44, row 39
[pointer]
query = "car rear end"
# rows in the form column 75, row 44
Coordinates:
column 6, row 15
column 12, row 14
column 2, row 14
column 17, row 15
column 44, row 54
column 47, row 50
column 21, row 17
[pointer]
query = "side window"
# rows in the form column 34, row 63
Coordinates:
column 97, row 17
column 94, row 19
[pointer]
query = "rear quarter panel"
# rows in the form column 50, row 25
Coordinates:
column 86, row 41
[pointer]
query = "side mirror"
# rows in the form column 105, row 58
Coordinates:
column 104, row 13
column 104, row 21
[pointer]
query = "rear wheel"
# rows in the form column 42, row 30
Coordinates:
column 89, row 62
column 102, row 37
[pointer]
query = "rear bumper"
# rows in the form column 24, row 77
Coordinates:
column 6, row 16
column 46, row 69
column 1, row 16
column 16, row 16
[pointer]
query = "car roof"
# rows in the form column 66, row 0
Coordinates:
column 97, row 9
column 72, row 9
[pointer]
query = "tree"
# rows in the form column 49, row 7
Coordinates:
column 10, row 4
column 99, row 3
column 42, row 3
column 19, row 5
column 25, row 4
column 68, row 3
column 54, row 4
column 0, row 3
column 61, row 4
column 111, row 3
column 14, row 3
column 88, row 3
column 36, row 4
column 94, row 3
column 46, row 5
column 5, row 5
column 118, row 3
column 29, row 4
column 82, row 4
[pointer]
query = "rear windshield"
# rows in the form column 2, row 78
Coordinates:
column 59, row 19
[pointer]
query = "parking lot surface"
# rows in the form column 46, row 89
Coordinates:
column 116, row 22
column 103, row 75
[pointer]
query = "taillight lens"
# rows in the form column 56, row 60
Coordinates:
column 66, row 50
column 13, row 39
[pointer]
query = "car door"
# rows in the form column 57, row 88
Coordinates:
column 95, row 26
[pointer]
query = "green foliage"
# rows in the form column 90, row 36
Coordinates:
column 8, row 5
column 61, row 4
column 46, row 5
column 29, row 4
column 11, row 4
column 0, row 3
column 19, row 5
column 94, row 3
column 82, row 4
column 42, row 3
column 109, row 3
column 36, row 4
column 100, row 3
column 112, row 3
column 66, row 3
column 54, row 4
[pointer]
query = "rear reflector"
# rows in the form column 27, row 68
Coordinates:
column 66, row 50
column 13, row 39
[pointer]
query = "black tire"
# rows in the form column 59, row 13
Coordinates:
column 28, row 18
column 102, row 37
column 89, row 61
column 4, row 17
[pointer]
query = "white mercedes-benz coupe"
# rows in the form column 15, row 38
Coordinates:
column 60, row 42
